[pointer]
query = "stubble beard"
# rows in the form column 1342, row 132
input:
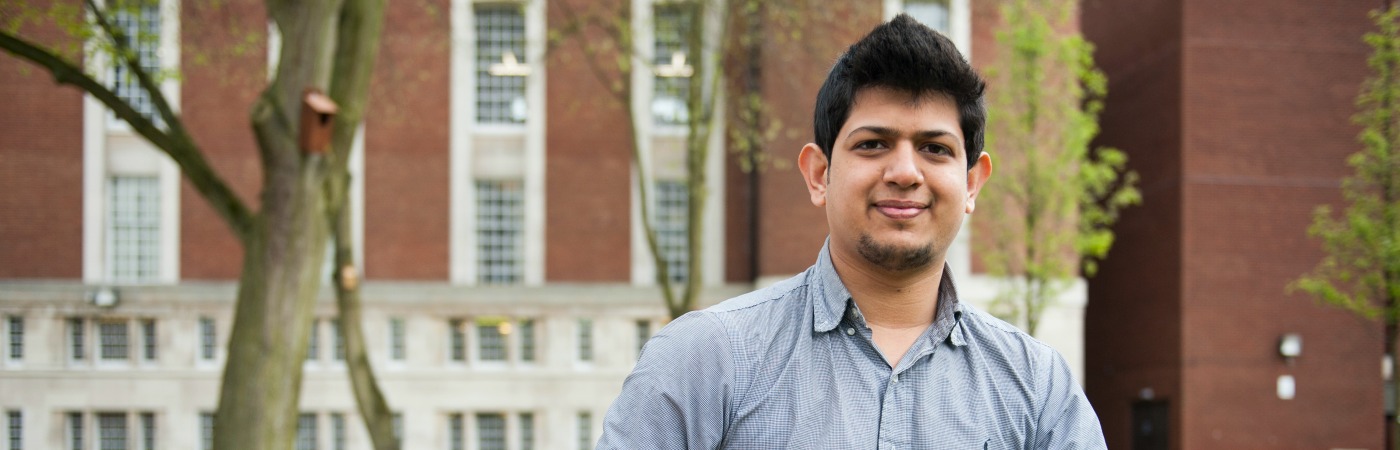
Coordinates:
column 893, row 258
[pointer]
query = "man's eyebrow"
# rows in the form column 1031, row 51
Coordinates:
column 888, row 132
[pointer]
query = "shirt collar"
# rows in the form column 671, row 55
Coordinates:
column 832, row 299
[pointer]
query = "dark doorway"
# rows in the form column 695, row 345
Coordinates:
column 1150, row 420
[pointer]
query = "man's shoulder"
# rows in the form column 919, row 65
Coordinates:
column 996, row 336
column 762, row 300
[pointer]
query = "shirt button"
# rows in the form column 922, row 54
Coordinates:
column 850, row 331
column 895, row 377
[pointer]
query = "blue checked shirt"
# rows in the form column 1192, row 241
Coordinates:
column 793, row 366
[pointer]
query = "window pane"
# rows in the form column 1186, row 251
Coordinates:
column 111, row 430
column 670, row 218
column 458, row 340
column 76, row 339
column 500, row 219
column 491, row 429
column 527, row 340
column 337, row 431
column 133, row 235
column 490, row 339
column 397, row 350
column 148, row 431
column 527, row 431
column 306, row 432
column 16, row 338
column 585, row 430
column 456, row 437
column 313, row 347
column 139, row 22
column 114, row 340
column 671, row 86
column 500, row 41
column 643, row 334
column 206, row 338
column 585, row 340
column 75, row 431
column 933, row 13
column 148, row 339
column 206, row 431
column 339, row 338
column 16, row 426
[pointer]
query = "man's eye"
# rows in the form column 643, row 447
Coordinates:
column 869, row 145
column 937, row 149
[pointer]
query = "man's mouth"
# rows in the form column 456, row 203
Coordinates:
column 900, row 209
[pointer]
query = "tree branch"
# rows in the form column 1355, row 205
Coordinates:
column 185, row 153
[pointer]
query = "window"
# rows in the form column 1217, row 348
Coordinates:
column 16, row 428
column 75, row 431
column 148, row 339
column 933, row 13
column 672, row 227
column 113, row 339
column 306, row 432
column 398, row 428
column 313, row 347
column 491, row 431
column 458, row 340
column 337, row 431
column 140, row 23
column 500, row 221
column 500, row 63
column 456, row 436
column 16, row 325
column 133, row 235
column 527, row 431
column 206, row 431
column 585, row 430
column 672, row 59
column 585, row 340
column 527, row 340
column 643, row 334
column 111, row 431
column 206, row 339
column 491, row 338
column 339, row 339
column 77, row 340
column 397, row 350
column 148, row 431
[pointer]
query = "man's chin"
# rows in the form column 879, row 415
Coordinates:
column 895, row 256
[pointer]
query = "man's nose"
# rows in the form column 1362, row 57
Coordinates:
column 902, row 167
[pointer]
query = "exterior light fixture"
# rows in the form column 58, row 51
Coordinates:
column 509, row 67
column 1286, row 387
column 676, row 69
column 105, row 297
column 1290, row 346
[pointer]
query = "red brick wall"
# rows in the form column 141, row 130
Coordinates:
column 1133, row 318
column 407, row 184
column 588, row 161
column 220, row 83
column 41, row 166
column 1268, row 94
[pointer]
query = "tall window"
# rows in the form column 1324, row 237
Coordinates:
column 491, row 431
column 456, row 435
column 585, row 430
column 306, row 432
column 397, row 420
column 15, row 423
column 111, row 431
column 139, row 22
column 75, row 431
column 397, row 347
column 500, row 63
column 491, row 337
column 313, row 347
column 16, row 326
column 77, row 339
column 339, row 337
column 671, row 213
column 148, row 431
column 206, row 431
column 337, row 431
column 114, row 342
column 500, row 223
column 206, row 339
column 148, row 339
column 585, row 340
column 527, row 431
column 458, row 340
column 133, row 234
column 527, row 340
column 933, row 13
column 643, row 334
column 672, row 58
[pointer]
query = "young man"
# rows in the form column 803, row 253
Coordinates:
column 869, row 348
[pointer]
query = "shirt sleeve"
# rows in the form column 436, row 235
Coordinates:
column 1067, row 421
column 679, row 394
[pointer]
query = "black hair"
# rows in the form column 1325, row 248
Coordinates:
column 909, row 57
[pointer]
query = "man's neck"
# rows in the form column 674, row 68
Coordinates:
column 893, row 300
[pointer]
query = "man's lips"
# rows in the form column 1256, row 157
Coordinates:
column 900, row 209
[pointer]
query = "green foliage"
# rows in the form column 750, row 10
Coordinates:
column 1361, row 269
column 1054, row 199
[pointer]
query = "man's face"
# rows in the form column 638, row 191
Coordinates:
column 897, row 184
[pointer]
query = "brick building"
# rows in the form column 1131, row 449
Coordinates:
column 1237, row 116
column 507, row 289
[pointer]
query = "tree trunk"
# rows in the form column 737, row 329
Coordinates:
column 283, row 254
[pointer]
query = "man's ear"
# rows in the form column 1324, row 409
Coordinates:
column 813, row 164
column 977, row 177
